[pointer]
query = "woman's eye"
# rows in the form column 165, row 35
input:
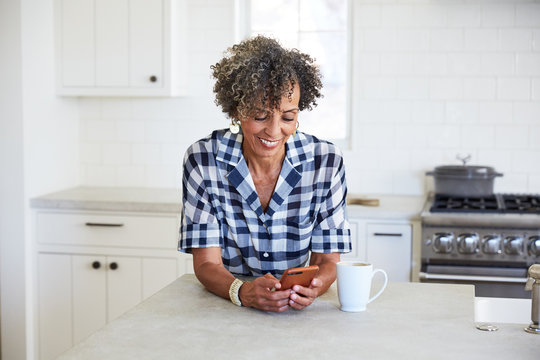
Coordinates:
column 260, row 118
column 288, row 119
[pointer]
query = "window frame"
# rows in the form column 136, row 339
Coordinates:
column 242, row 27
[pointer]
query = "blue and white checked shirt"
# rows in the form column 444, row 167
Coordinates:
column 307, row 211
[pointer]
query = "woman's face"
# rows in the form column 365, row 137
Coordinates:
column 266, row 132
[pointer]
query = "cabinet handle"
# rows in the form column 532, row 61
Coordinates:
column 96, row 264
column 388, row 234
column 153, row 78
column 113, row 266
column 103, row 224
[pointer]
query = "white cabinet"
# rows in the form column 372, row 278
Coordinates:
column 385, row 244
column 120, row 47
column 94, row 266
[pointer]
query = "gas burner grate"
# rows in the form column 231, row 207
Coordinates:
column 528, row 204
column 497, row 203
column 444, row 203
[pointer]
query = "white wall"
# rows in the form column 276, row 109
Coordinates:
column 38, row 154
column 432, row 79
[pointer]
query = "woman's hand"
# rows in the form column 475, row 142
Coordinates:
column 302, row 297
column 259, row 294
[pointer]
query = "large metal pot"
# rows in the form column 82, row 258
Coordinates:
column 466, row 181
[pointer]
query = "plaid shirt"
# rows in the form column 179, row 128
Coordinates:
column 222, row 209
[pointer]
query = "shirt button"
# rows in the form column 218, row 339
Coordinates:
column 266, row 255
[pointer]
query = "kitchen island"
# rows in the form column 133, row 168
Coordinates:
column 408, row 321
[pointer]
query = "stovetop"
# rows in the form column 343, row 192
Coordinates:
column 496, row 203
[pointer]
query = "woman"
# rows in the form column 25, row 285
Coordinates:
column 261, row 197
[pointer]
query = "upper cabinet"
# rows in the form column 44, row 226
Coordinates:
column 120, row 47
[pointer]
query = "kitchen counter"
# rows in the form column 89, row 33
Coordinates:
column 169, row 201
column 112, row 199
column 400, row 207
column 409, row 320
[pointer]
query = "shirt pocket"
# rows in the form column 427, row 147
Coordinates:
column 298, row 236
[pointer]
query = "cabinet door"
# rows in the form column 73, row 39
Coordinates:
column 54, row 305
column 123, row 285
column 75, row 37
column 89, row 295
column 358, row 242
column 156, row 274
column 389, row 248
column 112, row 42
column 146, row 43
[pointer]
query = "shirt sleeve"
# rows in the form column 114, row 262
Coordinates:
column 199, row 227
column 332, row 230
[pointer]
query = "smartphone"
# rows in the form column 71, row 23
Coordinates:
column 298, row 276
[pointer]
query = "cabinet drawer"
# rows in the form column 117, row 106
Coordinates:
column 107, row 230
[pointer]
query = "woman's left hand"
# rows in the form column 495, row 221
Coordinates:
column 302, row 297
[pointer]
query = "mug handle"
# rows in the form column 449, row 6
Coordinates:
column 384, row 285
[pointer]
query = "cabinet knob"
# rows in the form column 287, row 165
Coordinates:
column 96, row 264
column 113, row 266
column 153, row 78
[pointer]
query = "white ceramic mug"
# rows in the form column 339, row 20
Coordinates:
column 354, row 284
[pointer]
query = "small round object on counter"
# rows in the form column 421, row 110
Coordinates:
column 487, row 327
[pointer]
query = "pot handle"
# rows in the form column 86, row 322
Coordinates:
column 431, row 173
column 499, row 174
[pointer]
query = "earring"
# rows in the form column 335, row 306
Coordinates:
column 235, row 126
column 294, row 132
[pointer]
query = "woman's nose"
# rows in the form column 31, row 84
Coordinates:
column 274, row 128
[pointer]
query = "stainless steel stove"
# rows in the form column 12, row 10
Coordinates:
column 488, row 241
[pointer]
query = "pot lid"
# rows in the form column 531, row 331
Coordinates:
column 468, row 171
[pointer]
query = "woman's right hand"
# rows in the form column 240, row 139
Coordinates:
column 259, row 294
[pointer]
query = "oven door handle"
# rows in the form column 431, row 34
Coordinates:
column 504, row 279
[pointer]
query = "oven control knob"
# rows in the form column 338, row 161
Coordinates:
column 491, row 244
column 513, row 245
column 467, row 243
column 534, row 245
column 443, row 242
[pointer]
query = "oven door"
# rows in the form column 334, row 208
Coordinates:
column 488, row 281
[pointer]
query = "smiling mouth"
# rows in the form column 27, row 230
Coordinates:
column 269, row 143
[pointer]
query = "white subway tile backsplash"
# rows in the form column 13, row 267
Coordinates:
column 527, row 112
column 526, row 161
column 514, row 88
column 534, row 184
column 445, row 88
column 446, row 40
column 512, row 137
column 461, row 112
column 481, row 40
column 495, row 112
column 528, row 64
column 498, row 15
column 366, row 15
column 130, row 130
column 464, row 63
column 528, row 14
column 146, row 154
column 430, row 64
column 497, row 64
column 464, row 15
column 428, row 112
column 432, row 79
column 534, row 137
column 116, row 153
column 515, row 40
column 98, row 130
column 536, row 89
column 131, row 176
column 479, row 88
column 415, row 88
column 478, row 136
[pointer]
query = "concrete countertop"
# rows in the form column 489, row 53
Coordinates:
column 400, row 207
column 408, row 321
column 112, row 199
